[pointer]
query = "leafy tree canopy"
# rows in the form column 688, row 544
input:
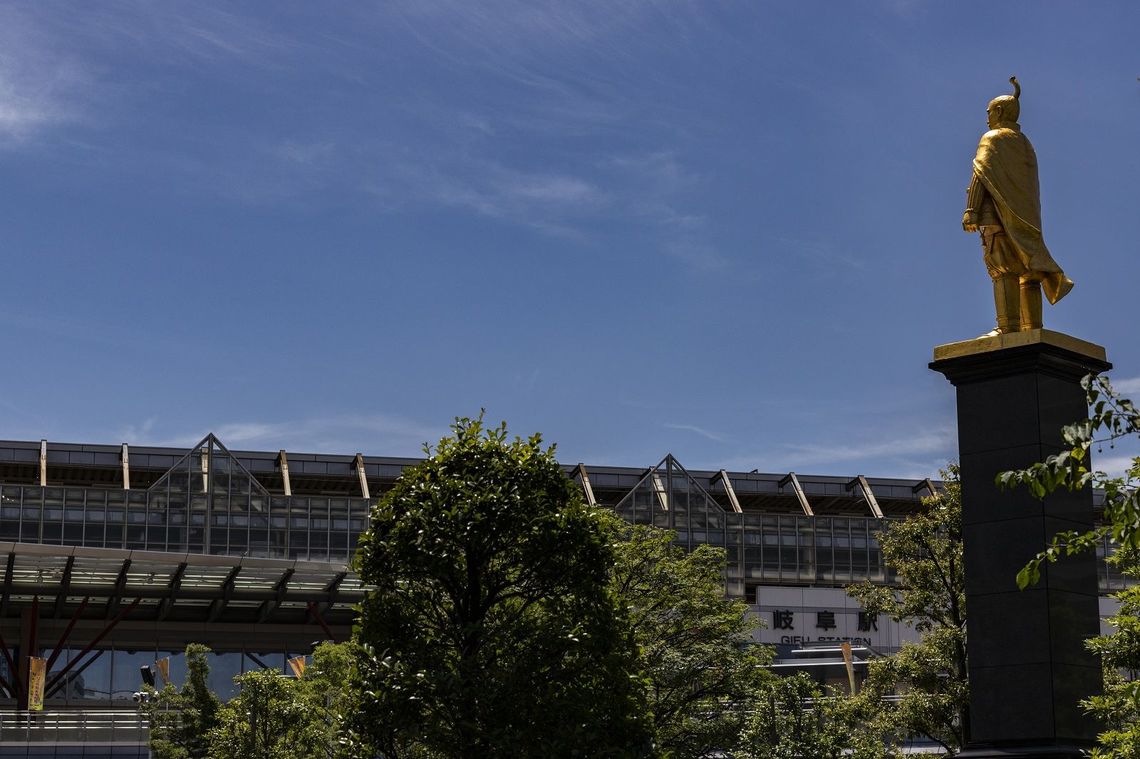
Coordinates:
column 697, row 658
column 273, row 716
column 181, row 719
column 925, row 552
column 795, row 717
column 1118, row 708
column 268, row 719
column 492, row 630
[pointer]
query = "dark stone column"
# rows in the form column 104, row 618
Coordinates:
column 1027, row 661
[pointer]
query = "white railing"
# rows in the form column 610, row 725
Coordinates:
column 66, row 726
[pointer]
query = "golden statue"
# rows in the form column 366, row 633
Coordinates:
column 1003, row 203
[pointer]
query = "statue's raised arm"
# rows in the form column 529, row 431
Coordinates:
column 1003, row 204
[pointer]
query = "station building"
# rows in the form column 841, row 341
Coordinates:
column 117, row 556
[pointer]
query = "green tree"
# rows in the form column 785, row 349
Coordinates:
column 180, row 720
column 925, row 551
column 697, row 657
column 329, row 698
column 492, row 630
column 268, row 719
column 1118, row 708
column 794, row 717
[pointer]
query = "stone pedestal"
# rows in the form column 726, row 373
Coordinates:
column 1027, row 661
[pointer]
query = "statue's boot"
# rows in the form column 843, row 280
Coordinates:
column 1031, row 303
column 1007, row 303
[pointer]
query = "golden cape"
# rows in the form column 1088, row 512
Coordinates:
column 1007, row 165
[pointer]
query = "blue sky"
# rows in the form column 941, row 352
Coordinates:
column 730, row 231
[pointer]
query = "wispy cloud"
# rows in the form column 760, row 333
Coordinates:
column 497, row 33
column 41, row 85
column 545, row 200
column 696, row 430
column 661, row 168
column 305, row 153
column 821, row 254
column 699, row 255
column 919, row 455
column 188, row 34
column 52, row 59
column 925, row 442
column 370, row 433
column 1113, row 465
column 1129, row 386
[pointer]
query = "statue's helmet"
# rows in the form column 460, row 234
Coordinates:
column 1009, row 105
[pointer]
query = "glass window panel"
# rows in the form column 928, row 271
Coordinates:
column 196, row 540
column 272, row 660
column 824, row 561
column 319, row 513
column 859, row 552
column 126, row 675
column 874, row 558
column 806, row 543
column 176, row 538
column 9, row 514
column 842, row 554
column 115, row 528
column 278, row 527
column 90, row 679
column 30, row 526
column 238, row 540
column 93, row 534
column 52, row 533
column 135, row 534
column 224, row 667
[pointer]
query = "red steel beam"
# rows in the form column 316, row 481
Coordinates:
column 320, row 620
column 110, row 626
column 66, row 632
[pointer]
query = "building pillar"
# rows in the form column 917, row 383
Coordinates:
column 1028, row 664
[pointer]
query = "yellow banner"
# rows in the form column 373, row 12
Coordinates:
column 36, row 672
column 297, row 664
column 163, row 667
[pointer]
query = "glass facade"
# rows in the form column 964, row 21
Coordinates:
column 773, row 549
column 760, row 548
column 113, row 675
column 207, row 503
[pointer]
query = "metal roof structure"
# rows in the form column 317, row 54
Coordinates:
column 98, row 582
column 290, row 473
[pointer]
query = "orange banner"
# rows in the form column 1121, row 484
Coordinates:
column 36, row 671
column 297, row 664
column 163, row 667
